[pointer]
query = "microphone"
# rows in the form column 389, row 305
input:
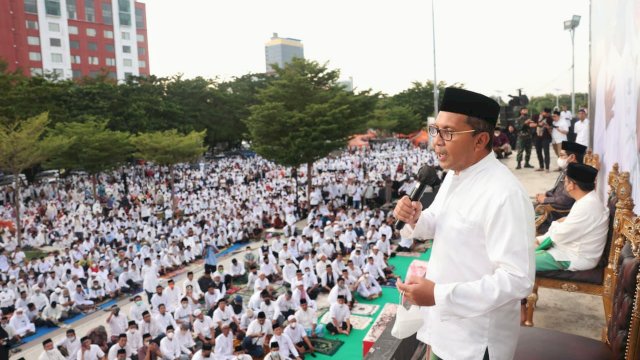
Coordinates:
column 427, row 175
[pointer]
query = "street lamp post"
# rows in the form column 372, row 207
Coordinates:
column 571, row 25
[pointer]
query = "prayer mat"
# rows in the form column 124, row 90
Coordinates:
column 233, row 290
column 357, row 322
column 409, row 254
column 364, row 309
column 241, row 281
column 326, row 346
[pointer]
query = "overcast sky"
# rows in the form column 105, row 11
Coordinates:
column 491, row 46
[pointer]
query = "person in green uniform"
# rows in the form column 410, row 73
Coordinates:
column 523, row 125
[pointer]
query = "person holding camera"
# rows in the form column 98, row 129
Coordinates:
column 543, row 139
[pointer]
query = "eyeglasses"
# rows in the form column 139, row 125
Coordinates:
column 446, row 134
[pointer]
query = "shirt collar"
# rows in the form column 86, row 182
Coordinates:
column 477, row 167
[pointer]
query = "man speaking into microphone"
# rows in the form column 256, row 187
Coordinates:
column 481, row 221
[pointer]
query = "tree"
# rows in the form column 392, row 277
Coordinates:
column 23, row 145
column 169, row 148
column 394, row 118
column 538, row 103
column 94, row 148
column 304, row 114
column 419, row 98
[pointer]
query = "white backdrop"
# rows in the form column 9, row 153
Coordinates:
column 614, row 89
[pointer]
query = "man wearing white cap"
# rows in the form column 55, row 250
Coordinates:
column 203, row 327
column 299, row 337
column 21, row 324
column 224, row 349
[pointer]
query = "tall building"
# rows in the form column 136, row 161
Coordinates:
column 281, row 51
column 75, row 38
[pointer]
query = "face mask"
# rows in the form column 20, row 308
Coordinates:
column 170, row 336
column 293, row 325
column 562, row 163
column 139, row 303
column 496, row 133
column 184, row 306
column 72, row 338
column 132, row 331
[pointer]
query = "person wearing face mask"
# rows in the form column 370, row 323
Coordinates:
column 50, row 352
column 134, row 340
column 557, row 197
column 171, row 348
column 183, row 314
column 501, row 145
column 299, row 337
column 274, row 354
column 71, row 344
column 139, row 306
column 576, row 242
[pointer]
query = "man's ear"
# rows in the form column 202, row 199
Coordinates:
column 482, row 140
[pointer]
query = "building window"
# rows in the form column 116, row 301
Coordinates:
column 33, row 40
column 55, row 42
column 107, row 14
column 89, row 10
column 56, row 58
column 126, row 49
column 59, row 73
column 52, row 7
column 33, row 25
column 142, row 64
column 111, row 75
column 74, row 44
column 126, row 35
column 91, row 32
column 31, row 6
column 110, row 61
column 124, row 7
column 77, row 74
column 140, row 18
column 73, row 30
column 92, row 46
column 108, row 34
column 72, row 10
column 127, row 62
column 128, row 75
column 36, row 71
column 54, row 27
column 109, row 48
column 75, row 59
column 94, row 74
column 93, row 60
column 142, row 51
column 140, row 37
column 35, row 56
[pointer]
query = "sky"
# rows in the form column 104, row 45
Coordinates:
column 491, row 46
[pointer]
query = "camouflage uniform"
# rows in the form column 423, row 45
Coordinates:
column 524, row 141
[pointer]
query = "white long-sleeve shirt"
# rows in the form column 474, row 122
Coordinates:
column 482, row 261
column 581, row 237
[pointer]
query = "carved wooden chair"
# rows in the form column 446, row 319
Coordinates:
column 620, row 337
column 545, row 210
column 590, row 281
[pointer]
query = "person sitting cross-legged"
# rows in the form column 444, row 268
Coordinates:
column 576, row 242
column 340, row 323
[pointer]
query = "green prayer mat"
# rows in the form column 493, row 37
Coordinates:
column 546, row 262
column 326, row 346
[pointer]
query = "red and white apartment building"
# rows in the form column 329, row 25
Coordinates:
column 75, row 38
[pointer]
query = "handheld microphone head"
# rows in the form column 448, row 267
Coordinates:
column 428, row 175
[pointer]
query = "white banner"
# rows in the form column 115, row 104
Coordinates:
column 614, row 89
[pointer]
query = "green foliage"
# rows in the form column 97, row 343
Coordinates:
column 94, row 148
column 419, row 98
column 23, row 144
column 169, row 147
column 537, row 103
column 304, row 114
column 394, row 118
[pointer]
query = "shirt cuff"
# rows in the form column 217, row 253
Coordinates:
column 442, row 295
column 407, row 231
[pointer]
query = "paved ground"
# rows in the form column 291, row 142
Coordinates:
column 572, row 313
